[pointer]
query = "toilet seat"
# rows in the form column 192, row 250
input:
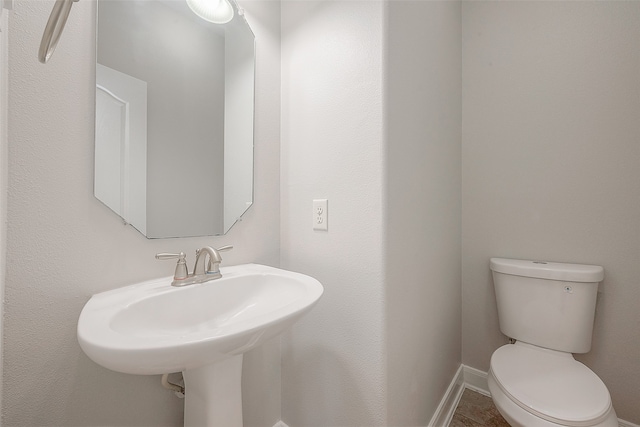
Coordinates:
column 551, row 385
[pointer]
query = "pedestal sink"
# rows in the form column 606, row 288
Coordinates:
column 202, row 330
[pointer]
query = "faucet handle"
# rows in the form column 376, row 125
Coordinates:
column 164, row 255
column 182, row 272
column 222, row 249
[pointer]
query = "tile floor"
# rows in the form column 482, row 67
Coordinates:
column 477, row 410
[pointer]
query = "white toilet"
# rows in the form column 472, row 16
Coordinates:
column 548, row 309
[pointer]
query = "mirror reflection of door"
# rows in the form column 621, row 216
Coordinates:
column 121, row 144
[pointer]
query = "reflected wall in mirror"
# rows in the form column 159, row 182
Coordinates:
column 174, row 117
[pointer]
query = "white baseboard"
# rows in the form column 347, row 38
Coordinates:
column 280, row 424
column 623, row 423
column 476, row 380
column 447, row 407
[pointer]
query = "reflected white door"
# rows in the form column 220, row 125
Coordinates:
column 121, row 144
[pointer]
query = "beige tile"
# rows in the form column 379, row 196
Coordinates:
column 476, row 406
column 462, row 421
column 497, row 421
column 476, row 409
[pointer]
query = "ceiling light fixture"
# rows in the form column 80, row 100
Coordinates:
column 216, row 11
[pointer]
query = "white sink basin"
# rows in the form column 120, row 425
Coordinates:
column 154, row 328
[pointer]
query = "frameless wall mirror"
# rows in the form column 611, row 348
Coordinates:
column 174, row 116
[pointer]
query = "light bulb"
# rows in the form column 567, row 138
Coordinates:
column 216, row 11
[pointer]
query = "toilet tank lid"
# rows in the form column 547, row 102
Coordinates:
column 548, row 270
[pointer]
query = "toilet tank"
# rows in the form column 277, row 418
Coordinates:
column 547, row 304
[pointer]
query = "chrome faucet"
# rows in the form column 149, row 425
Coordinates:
column 182, row 277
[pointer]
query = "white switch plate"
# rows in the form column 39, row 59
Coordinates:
column 320, row 214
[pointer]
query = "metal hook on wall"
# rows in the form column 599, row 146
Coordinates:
column 54, row 28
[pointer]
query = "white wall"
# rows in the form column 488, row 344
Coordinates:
column 260, row 226
column 333, row 369
column 63, row 245
column 551, row 131
column 371, row 121
column 423, row 174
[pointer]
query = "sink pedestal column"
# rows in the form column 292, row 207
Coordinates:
column 213, row 396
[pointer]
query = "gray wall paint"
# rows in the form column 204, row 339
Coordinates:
column 423, row 192
column 63, row 245
column 551, row 155
column 4, row 68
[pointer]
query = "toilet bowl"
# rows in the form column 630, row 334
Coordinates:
column 548, row 310
column 537, row 387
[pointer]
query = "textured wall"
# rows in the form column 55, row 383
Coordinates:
column 332, row 147
column 423, row 173
column 371, row 121
column 3, row 171
column 551, row 102
column 64, row 245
